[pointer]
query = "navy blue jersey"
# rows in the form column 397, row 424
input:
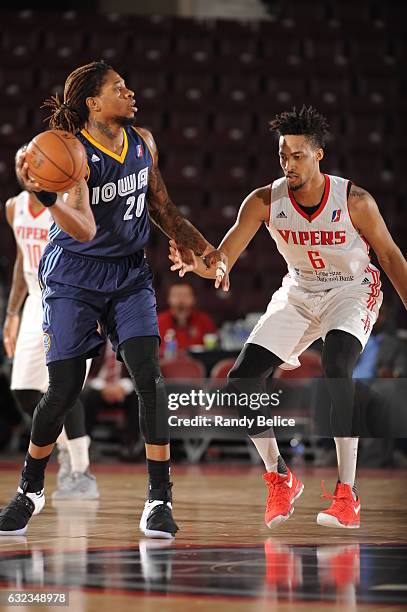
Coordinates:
column 117, row 193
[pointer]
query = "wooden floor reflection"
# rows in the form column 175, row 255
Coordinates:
column 224, row 556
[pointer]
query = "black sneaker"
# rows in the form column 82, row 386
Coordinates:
column 15, row 516
column 157, row 520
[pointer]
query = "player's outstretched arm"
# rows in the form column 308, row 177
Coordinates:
column 71, row 211
column 368, row 221
column 18, row 293
column 165, row 214
column 254, row 211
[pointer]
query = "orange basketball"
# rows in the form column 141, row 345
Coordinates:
column 56, row 160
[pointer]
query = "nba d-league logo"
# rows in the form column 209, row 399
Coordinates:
column 46, row 340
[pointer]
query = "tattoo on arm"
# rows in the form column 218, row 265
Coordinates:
column 77, row 203
column 166, row 215
column 357, row 192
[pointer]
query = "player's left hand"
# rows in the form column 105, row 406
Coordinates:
column 184, row 260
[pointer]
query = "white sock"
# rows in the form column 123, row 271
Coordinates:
column 62, row 440
column 347, row 454
column 78, row 449
column 267, row 448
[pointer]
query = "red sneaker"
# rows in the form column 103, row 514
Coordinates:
column 344, row 510
column 339, row 565
column 283, row 565
column 282, row 492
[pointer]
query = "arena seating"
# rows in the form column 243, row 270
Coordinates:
column 207, row 90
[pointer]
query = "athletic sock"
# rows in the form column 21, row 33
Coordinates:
column 78, row 449
column 32, row 476
column 159, row 477
column 347, row 453
column 62, row 440
column 267, row 448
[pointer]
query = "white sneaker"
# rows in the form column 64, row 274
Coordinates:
column 65, row 467
column 157, row 520
column 37, row 498
column 78, row 485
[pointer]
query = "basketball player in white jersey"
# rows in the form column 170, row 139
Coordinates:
column 323, row 226
column 30, row 222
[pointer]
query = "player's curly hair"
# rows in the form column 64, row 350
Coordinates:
column 71, row 113
column 307, row 122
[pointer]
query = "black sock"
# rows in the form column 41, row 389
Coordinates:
column 281, row 466
column 32, row 476
column 159, row 476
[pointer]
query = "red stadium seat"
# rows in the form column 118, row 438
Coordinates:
column 183, row 367
column 221, row 369
column 311, row 367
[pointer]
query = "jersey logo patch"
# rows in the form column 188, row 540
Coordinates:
column 281, row 215
column 365, row 281
column 139, row 151
column 94, row 158
column 336, row 215
column 46, row 342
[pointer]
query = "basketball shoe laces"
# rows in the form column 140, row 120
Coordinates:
column 278, row 492
column 340, row 500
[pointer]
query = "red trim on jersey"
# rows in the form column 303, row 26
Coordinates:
column 271, row 197
column 33, row 213
column 321, row 206
column 366, row 243
column 348, row 188
column 374, row 288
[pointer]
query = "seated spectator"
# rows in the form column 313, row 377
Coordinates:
column 109, row 386
column 384, row 359
column 182, row 325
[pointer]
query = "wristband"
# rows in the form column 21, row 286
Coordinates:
column 47, row 198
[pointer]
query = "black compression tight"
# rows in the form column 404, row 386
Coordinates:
column 141, row 356
column 27, row 399
column 339, row 356
column 66, row 379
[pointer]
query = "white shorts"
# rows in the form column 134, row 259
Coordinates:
column 295, row 317
column 29, row 367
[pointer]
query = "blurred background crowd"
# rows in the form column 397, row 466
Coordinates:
column 208, row 76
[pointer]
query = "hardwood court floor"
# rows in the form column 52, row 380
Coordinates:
column 224, row 556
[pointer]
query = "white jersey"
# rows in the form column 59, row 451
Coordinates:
column 324, row 250
column 31, row 232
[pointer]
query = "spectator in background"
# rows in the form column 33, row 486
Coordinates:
column 109, row 386
column 384, row 359
column 182, row 325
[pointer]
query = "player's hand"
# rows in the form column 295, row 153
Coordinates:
column 10, row 331
column 184, row 260
column 22, row 173
column 218, row 261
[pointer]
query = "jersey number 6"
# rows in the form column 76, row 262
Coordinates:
column 316, row 261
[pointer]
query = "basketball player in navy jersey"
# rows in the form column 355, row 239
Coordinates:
column 323, row 226
column 94, row 272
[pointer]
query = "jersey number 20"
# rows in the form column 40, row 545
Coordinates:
column 131, row 201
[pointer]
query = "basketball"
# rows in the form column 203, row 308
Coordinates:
column 56, row 160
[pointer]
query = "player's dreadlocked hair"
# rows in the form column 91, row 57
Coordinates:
column 307, row 122
column 72, row 113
